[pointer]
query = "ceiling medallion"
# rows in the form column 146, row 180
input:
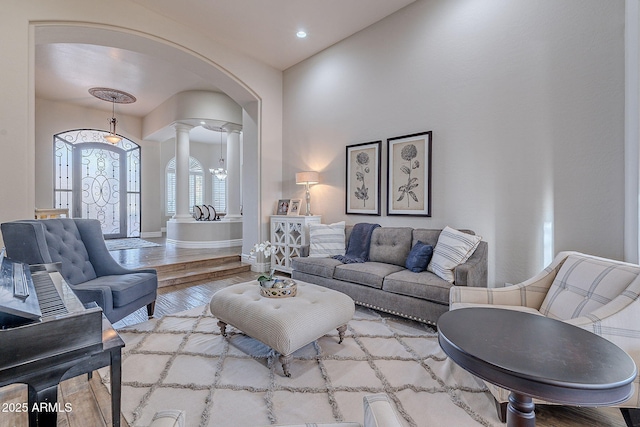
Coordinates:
column 112, row 95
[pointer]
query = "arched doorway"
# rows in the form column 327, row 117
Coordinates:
column 99, row 180
column 254, row 226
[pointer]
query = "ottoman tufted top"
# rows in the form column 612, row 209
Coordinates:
column 284, row 324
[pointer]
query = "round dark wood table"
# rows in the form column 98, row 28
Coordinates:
column 536, row 357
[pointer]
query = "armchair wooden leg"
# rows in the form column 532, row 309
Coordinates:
column 150, row 308
column 631, row 416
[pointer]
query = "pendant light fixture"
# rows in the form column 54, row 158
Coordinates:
column 221, row 172
column 112, row 137
column 114, row 96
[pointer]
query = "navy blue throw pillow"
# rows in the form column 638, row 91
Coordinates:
column 419, row 257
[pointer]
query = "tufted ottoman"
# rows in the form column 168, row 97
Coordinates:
column 284, row 324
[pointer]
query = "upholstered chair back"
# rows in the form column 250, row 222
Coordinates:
column 584, row 284
column 66, row 246
column 48, row 241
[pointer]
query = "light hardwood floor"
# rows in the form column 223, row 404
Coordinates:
column 90, row 402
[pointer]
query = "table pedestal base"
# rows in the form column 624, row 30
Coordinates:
column 520, row 411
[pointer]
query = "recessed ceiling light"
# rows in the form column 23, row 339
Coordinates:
column 301, row 34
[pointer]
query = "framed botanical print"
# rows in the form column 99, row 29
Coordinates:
column 409, row 175
column 363, row 178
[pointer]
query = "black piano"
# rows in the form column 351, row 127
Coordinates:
column 47, row 335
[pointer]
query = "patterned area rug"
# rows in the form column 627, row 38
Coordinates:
column 182, row 362
column 129, row 243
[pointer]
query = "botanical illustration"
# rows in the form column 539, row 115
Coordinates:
column 363, row 178
column 408, row 154
column 362, row 171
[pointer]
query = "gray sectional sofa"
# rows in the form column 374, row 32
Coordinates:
column 383, row 283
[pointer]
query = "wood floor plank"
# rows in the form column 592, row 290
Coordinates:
column 83, row 408
column 103, row 397
column 14, row 397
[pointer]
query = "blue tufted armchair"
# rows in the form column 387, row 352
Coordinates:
column 86, row 264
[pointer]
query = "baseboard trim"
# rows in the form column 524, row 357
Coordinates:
column 150, row 234
column 211, row 244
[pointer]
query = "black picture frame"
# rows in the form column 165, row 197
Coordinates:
column 409, row 174
column 363, row 171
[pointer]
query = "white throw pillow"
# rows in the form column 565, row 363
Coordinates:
column 326, row 240
column 453, row 248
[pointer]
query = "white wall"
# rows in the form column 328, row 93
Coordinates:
column 526, row 104
column 255, row 86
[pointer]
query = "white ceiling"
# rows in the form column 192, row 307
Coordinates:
column 65, row 72
column 264, row 30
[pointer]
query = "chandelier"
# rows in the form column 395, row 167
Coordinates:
column 114, row 96
column 221, row 172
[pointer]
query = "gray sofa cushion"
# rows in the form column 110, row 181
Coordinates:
column 390, row 245
column 322, row 267
column 428, row 237
column 367, row 273
column 424, row 285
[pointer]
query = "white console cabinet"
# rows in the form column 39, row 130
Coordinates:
column 288, row 234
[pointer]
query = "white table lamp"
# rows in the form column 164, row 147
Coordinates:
column 307, row 178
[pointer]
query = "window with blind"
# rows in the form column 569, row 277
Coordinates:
column 219, row 196
column 196, row 185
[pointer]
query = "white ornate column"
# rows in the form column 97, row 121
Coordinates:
column 182, row 173
column 234, row 200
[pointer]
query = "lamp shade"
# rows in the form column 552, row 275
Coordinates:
column 309, row 177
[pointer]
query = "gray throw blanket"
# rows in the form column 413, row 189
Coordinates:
column 358, row 244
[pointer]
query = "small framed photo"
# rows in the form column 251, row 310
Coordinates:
column 283, row 206
column 363, row 178
column 294, row 207
column 409, row 175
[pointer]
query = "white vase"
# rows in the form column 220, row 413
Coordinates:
column 267, row 283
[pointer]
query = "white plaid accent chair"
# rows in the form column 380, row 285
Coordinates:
column 597, row 294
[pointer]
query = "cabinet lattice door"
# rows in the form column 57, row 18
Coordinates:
column 288, row 235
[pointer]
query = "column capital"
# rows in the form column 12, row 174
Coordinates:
column 178, row 126
column 232, row 128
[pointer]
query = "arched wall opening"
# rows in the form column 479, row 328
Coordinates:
column 231, row 85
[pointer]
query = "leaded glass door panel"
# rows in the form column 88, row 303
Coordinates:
column 101, row 172
column 98, row 180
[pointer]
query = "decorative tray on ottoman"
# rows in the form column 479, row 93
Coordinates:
column 278, row 288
